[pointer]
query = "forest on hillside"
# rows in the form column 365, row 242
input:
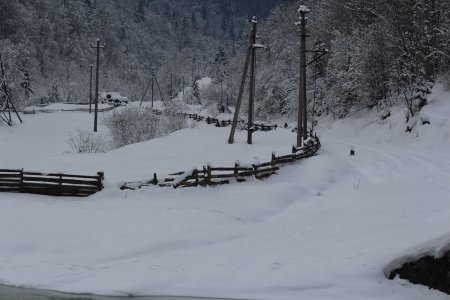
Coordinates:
column 50, row 40
column 382, row 52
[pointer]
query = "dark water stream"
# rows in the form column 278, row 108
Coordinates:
column 14, row 293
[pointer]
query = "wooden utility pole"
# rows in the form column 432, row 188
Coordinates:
column 90, row 89
column 249, row 60
column 96, row 82
column 153, row 84
column 302, row 129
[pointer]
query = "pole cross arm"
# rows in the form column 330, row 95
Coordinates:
column 258, row 46
column 325, row 52
column 318, row 51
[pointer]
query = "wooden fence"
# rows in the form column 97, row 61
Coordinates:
column 56, row 184
column 211, row 176
column 80, row 109
column 222, row 123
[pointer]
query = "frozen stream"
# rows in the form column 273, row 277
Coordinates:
column 14, row 293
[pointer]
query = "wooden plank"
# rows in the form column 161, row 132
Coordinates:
column 286, row 160
column 273, row 168
column 223, row 176
column 264, row 175
column 266, row 164
column 214, row 169
column 58, row 180
column 40, row 184
column 59, row 174
column 9, row 189
column 11, row 179
column 245, row 174
column 10, row 171
column 177, row 174
column 55, row 188
column 4, row 175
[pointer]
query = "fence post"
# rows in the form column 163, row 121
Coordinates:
column 255, row 170
column 208, row 176
column 195, row 173
column 100, row 177
column 60, row 184
column 21, row 181
column 155, row 179
column 273, row 161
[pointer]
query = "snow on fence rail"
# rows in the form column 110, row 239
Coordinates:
column 53, row 184
column 212, row 176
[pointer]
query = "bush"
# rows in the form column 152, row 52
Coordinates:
column 171, row 120
column 85, row 141
column 133, row 125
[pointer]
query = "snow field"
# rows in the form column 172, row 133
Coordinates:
column 324, row 228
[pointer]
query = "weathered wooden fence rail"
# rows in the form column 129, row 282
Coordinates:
column 212, row 176
column 53, row 184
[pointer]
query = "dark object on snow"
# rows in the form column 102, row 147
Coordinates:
column 430, row 271
column 352, row 152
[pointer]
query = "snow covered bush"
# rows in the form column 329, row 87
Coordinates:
column 171, row 120
column 86, row 141
column 133, row 125
column 215, row 98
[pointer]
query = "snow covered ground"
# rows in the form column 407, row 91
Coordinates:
column 324, row 228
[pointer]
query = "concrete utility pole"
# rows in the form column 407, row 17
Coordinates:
column 251, row 88
column 183, row 87
column 302, row 129
column 193, row 70
column 171, row 85
column 90, row 89
column 96, row 81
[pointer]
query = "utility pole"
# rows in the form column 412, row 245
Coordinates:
column 90, row 89
column 193, row 71
column 251, row 92
column 249, row 60
column 302, row 129
column 183, row 87
column 96, row 81
column 153, row 84
column 171, row 85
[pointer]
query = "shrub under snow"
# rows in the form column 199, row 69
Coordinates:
column 133, row 125
column 86, row 141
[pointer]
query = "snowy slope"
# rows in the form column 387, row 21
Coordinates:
column 325, row 228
